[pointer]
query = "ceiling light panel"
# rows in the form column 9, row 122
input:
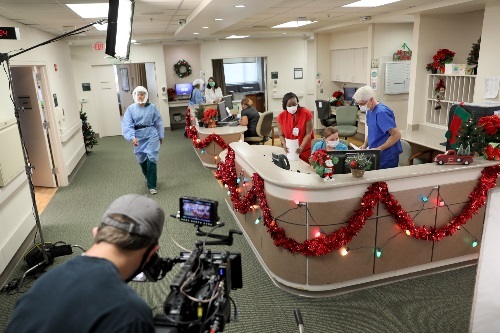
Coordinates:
column 370, row 3
column 90, row 10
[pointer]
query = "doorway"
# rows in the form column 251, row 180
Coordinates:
column 31, row 94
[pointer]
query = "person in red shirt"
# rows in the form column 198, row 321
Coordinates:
column 295, row 122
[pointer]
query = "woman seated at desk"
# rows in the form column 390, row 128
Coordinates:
column 330, row 141
column 213, row 93
column 249, row 117
column 196, row 95
column 295, row 123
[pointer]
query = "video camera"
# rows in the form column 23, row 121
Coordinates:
column 199, row 298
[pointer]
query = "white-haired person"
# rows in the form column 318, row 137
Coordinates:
column 196, row 95
column 89, row 293
column 142, row 125
column 382, row 133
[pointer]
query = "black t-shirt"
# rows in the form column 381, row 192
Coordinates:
column 85, row 294
column 253, row 118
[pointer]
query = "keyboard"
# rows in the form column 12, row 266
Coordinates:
column 234, row 123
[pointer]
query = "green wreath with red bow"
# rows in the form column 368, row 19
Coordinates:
column 182, row 68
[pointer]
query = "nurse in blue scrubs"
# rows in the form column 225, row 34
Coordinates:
column 142, row 125
column 383, row 133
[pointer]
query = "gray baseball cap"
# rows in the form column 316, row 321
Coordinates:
column 148, row 215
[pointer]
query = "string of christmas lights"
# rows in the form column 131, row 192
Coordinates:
column 326, row 243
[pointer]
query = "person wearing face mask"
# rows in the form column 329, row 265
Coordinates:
column 382, row 133
column 142, row 125
column 295, row 123
column 330, row 141
column 196, row 95
column 213, row 93
column 97, row 280
column 249, row 117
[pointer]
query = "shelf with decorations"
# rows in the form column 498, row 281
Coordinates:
column 458, row 88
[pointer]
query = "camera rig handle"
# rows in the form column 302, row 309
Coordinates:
column 221, row 239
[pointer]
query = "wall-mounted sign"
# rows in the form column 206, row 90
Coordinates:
column 297, row 73
column 86, row 86
column 98, row 46
column 9, row 33
column 274, row 75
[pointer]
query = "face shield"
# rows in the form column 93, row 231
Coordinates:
column 140, row 95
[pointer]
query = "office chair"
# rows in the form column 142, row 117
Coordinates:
column 324, row 112
column 347, row 121
column 263, row 129
column 406, row 158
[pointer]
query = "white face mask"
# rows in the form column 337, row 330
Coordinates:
column 292, row 109
column 363, row 108
column 135, row 97
column 332, row 144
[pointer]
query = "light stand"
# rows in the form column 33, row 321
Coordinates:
column 48, row 258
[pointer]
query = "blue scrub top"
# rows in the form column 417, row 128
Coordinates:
column 196, row 97
column 380, row 120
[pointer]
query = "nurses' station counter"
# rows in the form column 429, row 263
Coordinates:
column 210, row 154
column 381, row 251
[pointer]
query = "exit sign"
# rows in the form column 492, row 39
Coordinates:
column 98, row 46
column 9, row 33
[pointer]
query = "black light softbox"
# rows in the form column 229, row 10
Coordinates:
column 119, row 33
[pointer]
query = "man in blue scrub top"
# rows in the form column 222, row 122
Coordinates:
column 382, row 131
column 142, row 125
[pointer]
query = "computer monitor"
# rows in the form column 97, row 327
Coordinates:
column 348, row 93
column 340, row 168
column 183, row 90
column 223, row 114
column 228, row 100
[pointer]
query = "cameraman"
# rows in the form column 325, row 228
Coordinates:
column 89, row 293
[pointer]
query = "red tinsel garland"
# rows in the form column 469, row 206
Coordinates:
column 377, row 192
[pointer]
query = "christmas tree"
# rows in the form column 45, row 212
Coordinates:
column 473, row 57
column 89, row 136
column 470, row 135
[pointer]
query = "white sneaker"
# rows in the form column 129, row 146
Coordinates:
column 153, row 191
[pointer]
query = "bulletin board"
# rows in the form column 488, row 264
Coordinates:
column 397, row 77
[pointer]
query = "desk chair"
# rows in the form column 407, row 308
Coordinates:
column 324, row 112
column 406, row 158
column 347, row 121
column 264, row 127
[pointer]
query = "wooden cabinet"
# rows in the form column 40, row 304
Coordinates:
column 459, row 88
column 258, row 100
column 349, row 65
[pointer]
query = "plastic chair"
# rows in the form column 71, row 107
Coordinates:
column 347, row 121
column 325, row 112
column 263, row 129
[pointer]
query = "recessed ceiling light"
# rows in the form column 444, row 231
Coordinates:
column 101, row 27
column 236, row 37
column 239, row 6
column 293, row 24
column 90, row 10
column 196, row 33
column 218, row 19
column 133, row 41
column 370, row 3
column 204, row 27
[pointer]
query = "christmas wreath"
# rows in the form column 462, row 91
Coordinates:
column 182, row 68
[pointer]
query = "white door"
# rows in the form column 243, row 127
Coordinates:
column 108, row 110
column 32, row 118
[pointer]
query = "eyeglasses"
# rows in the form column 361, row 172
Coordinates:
column 363, row 103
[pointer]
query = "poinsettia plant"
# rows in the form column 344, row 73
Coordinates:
column 358, row 161
column 210, row 115
column 317, row 161
column 442, row 57
column 337, row 98
column 490, row 124
column 171, row 94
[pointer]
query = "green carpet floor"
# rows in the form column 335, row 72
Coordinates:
column 433, row 303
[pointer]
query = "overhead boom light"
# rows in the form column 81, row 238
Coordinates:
column 120, row 18
column 370, row 3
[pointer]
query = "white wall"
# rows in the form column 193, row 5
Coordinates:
column 490, row 48
column 433, row 32
column 283, row 55
column 350, row 39
column 387, row 39
column 188, row 52
column 84, row 57
column 16, row 220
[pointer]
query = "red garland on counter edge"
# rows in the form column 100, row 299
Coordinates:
column 377, row 192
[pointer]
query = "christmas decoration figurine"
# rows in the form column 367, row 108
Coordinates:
column 328, row 173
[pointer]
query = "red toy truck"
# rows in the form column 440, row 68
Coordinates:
column 451, row 156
